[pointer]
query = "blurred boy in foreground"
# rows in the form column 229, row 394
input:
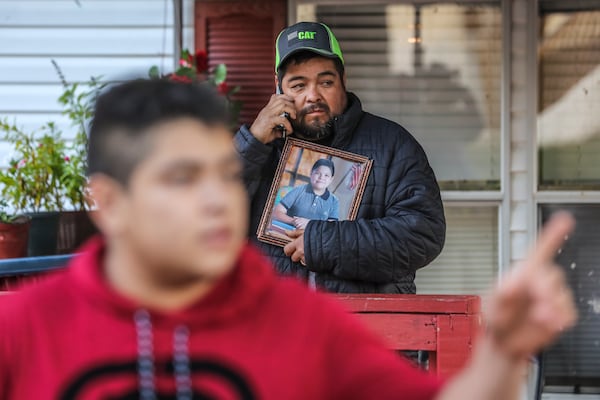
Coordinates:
column 171, row 302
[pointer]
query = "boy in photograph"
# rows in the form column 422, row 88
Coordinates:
column 170, row 301
column 310, row 201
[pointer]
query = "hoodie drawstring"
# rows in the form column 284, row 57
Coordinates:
column 145, row 364
column 181, row 363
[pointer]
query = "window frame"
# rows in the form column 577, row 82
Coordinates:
column 542, row 196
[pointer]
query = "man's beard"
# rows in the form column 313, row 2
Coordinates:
column 313, row 131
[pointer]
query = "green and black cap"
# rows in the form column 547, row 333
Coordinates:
column 311, row 36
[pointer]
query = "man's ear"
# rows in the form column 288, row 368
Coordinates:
column 108, row 197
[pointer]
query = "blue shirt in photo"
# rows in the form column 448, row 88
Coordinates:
column 303, row 202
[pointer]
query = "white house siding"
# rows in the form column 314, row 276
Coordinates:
column 114, row 39
column 522, row 119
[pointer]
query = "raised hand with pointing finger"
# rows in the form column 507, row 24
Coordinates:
column 529, row 309
column 533, row 304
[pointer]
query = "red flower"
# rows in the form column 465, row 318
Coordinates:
column 222, row 88
column 67, row 159
column 201, row 61
column 185, row 63
column 179, row 78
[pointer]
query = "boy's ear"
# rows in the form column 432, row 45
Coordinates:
column 108, row 196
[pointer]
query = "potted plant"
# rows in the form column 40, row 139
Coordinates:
column 78, row 105
column 194, row 68
column 46, row 176
column 14, row 232
column 32, row 182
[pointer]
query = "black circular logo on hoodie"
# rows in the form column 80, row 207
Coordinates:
column 98, row 377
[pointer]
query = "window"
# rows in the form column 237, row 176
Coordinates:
column 568, row 133
column 569, row 100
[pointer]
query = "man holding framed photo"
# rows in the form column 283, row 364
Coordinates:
column 400, row 226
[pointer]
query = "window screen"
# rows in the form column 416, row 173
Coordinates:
column 575, row 359
column 469, row 262
column 435, row 69
column 569, row 99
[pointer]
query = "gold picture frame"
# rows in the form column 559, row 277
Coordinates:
column 295, row 180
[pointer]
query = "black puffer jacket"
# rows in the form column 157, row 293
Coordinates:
column 400, row 225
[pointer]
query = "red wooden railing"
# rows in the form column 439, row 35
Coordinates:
column 444, row 325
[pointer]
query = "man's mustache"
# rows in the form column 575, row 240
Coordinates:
column 312, row 108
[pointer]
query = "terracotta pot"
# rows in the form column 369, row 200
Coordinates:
column 13, row 238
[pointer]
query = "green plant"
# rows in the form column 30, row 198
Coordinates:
column 47, row 172
column 32, row 181
column 194, row 68
column 78, row 105
column 6, row 217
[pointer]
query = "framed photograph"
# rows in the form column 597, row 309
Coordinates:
column 312, row 182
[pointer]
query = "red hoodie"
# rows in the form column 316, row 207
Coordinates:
column 254, row 336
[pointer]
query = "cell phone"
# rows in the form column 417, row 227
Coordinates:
column 281, row 127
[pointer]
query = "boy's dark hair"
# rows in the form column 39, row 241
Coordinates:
column 324, row 162
column 302, row 57
column 124, row 114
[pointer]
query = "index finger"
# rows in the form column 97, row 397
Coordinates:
column 282, row 99
column 285, row 101
column 288, row 107
column 551, row 238
column 294, row 233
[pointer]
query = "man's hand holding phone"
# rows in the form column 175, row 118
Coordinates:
column 274, row 118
